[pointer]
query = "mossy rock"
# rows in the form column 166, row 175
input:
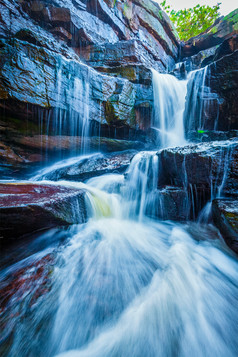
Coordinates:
column 110, row 113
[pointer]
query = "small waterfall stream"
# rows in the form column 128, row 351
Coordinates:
column 169, row 105
column 202, row 106
column 124, row 284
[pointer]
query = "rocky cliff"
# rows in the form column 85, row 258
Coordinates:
column 75, row 68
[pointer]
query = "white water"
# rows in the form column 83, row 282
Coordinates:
column 128, row 286
column 169, row 106
column 155, row 292
column 47, row 171
column 124, row 285
column 199, row 101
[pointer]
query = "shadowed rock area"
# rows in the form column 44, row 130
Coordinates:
column 225, row 216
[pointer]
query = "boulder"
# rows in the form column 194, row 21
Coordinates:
column 202, row 171
column 32, row 278
column 211, row 166
column 170, row 203
column 225, row 216
column 85, row 167
column 28, row 207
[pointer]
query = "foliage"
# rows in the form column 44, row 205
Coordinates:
column 191, row 22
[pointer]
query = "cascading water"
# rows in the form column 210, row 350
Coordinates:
column 68, row 121
column 123, row 284
column 217, row 187
column 120, row 287
column 169, row 105
column 200, row 100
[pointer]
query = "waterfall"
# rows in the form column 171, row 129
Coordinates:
column 169, row 105
column 66, row 126
column 124, row 284
column 141, row 186
column 221, row 166
column 202, row 106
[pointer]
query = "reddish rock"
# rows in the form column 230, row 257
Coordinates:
column 25, row 208
column 24, row 285
column 33, row 279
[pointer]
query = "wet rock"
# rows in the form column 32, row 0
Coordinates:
column 31, row 279
column 26, row 208
column 74, row 89
column 35, row 276
column 227, row 47
column 225, row 216
column 116, row 58
column 89, row 166
column 44, row 82
column 210, row 55
column 54, row 146
column 99, row 22
column 207, row 167
column 171, row 204
column 223, row 82
column 211, row 101
column 199, row 60
column 206, row 135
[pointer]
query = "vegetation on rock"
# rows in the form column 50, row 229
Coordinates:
column 192, row 21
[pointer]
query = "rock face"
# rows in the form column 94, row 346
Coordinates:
column 212, row 91
column 81, row 67
column 26, row 208
column 212, row 97
column 225, row 216
column 199, row 172
column 207, row 165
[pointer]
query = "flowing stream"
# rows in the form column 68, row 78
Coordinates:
column 124, row 284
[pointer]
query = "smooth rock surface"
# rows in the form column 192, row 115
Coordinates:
column 27, row 207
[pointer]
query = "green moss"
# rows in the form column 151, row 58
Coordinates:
column 213, row 29
column 126, row 11
column 128, row 72
column 110, row 114
column 232, row 16
column 133, row 117
column 23, row 126
column 235, row 26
